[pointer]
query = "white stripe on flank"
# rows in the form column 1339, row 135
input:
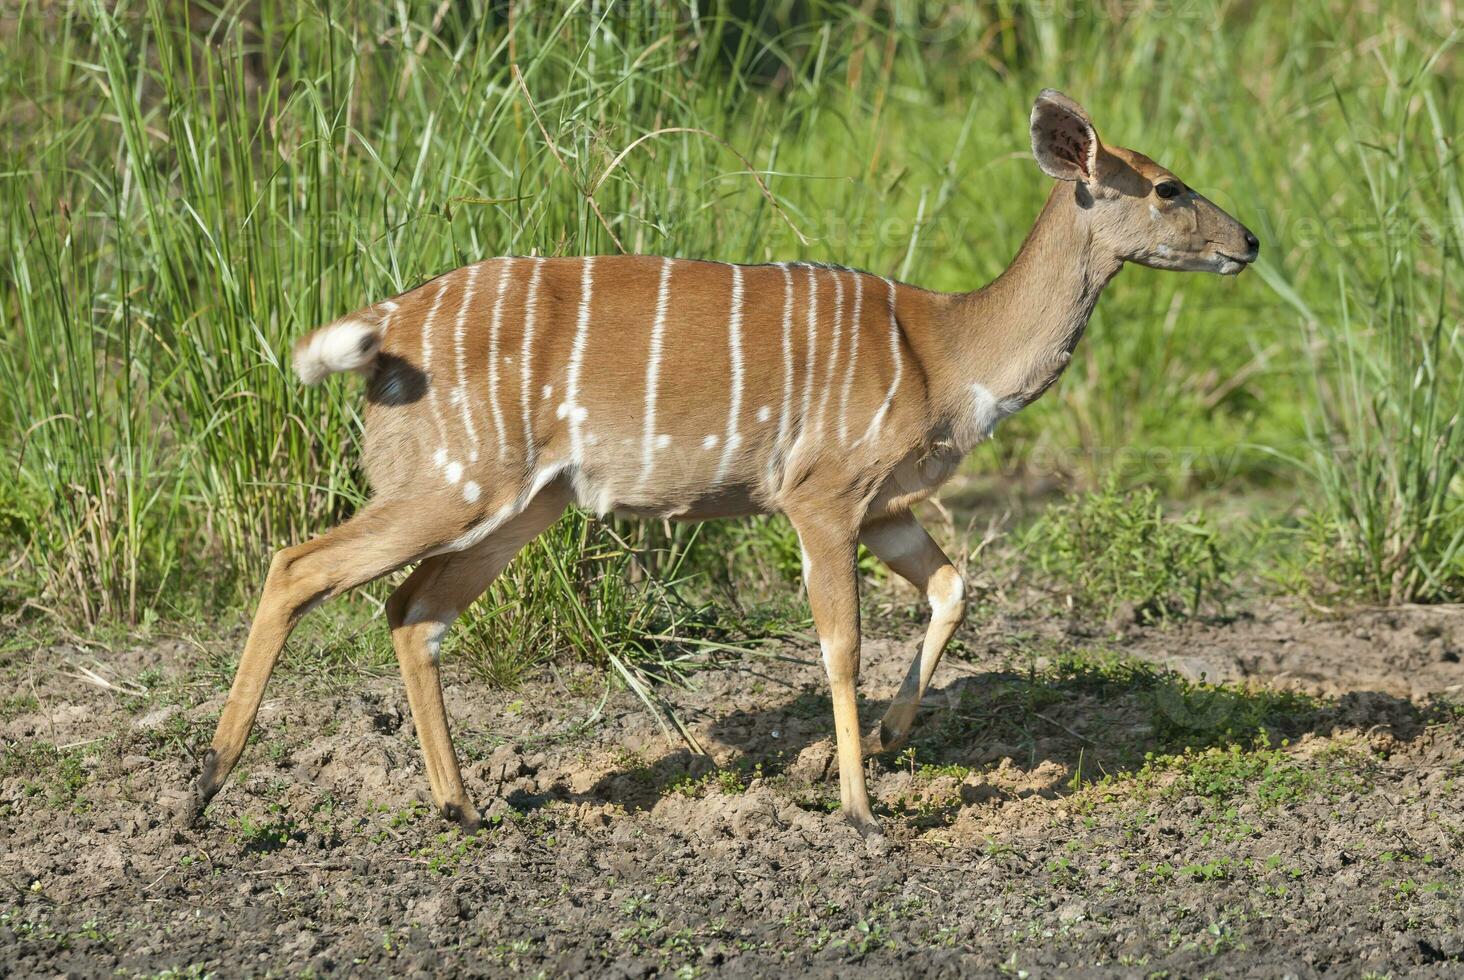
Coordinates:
column 823, row 402
column 787, row 360
column 493, row 331
column 441, row 454
column 889, row 398
column 853, row 358
column 530, row 310
column 734, row 345
column 460, row 393
column 573, row 410
column 812, row 352
column 653, row 372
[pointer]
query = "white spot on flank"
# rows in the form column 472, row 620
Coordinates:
column 764, row 413
column 548, row 391
column 389, row 305
column 577, row 357
column 530, row 308
column 440, row 457
column 663, row 440
column 710, row 441
column 493, row 331
column 509, row 510
column 734, row 344
column 470, row 492
column 454, row 471
column 653, row 370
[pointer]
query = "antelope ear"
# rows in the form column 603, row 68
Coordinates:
column 1063, row 139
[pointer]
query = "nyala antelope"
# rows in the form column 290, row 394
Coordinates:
column 503, row 391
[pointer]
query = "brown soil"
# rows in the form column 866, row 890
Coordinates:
column 614, row 851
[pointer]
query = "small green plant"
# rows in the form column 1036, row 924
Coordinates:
column 725, row 782
column 870, row 936
column 1270, row 776
column 266, row 835
column 1112, row 547
column 54, row 775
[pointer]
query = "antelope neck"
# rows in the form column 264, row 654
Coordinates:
column 1015, row 335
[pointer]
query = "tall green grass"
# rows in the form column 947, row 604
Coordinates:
column 181, row 197
column 1387, row 453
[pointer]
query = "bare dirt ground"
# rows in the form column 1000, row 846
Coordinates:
column 1068, row 807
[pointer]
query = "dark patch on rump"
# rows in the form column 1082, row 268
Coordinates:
column 395, row 382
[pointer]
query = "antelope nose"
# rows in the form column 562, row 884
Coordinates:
column 1253, row 243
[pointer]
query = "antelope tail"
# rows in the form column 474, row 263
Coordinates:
column 350, row 344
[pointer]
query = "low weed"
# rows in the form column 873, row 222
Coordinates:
column 56, row 776
column 1269, row 775
column 1109, row 548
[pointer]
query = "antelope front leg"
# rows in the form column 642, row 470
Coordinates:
column 902, row 544
column 833, row 595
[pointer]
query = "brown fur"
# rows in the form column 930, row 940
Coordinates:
column 468, row 463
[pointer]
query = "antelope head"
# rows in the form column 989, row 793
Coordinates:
column 1139, row 211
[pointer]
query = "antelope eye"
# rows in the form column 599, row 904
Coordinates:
column 1168, row 189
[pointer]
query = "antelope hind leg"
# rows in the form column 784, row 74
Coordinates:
column 421, row 611
column 380, row 539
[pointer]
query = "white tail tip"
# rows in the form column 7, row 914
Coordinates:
column 351, row 345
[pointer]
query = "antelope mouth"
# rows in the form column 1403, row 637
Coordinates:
column 1231, row 265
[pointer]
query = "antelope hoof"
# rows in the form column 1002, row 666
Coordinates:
column 881, row 740
column 204, row 789
column 464, row 815
column 869, row 829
